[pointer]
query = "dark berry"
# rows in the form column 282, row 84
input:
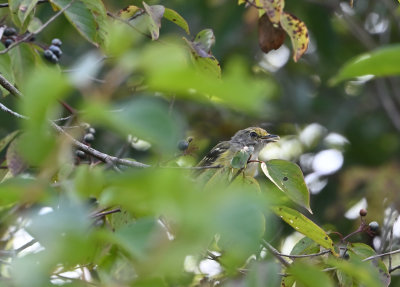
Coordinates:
column 88, row 138
column 56, row 50
column 48, row 54
column 374, row 226
column 56, row 42
column 9, row 31
column 91, row 130
column 183, row 145
column 346, row 256
column 54, row 59
column 8, row 42
column 80, row 154
column 363, row 212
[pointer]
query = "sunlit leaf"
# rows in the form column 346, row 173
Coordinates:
column 305, row 226
column 380, row 63
column 155, row 13
column 130, row 11
column 273, row 9
column 176, row 18
column 298, row 33
column 310, row 276
column 288, row 177
column 203, row 42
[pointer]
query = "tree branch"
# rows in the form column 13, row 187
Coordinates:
column 9, row 87
column 41, row 28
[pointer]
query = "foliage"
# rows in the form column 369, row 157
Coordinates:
column 95, row 189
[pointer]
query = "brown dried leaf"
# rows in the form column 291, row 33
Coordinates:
column 269, row 36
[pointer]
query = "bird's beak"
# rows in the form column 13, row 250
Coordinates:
column 271, row 138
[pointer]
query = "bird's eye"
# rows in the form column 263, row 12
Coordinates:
column 253, row 134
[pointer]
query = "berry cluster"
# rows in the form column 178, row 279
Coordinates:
column 53, row 53
column 9, row 36
column 88, row 138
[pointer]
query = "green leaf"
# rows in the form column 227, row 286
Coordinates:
column 155, row 13
column 380, row 62
column 80, row 17
column 140, row 237
column 288, row 177
column 363, row 272
column 23, row 59
column 146, row 118
column 203, row 42
column 6, row 68
column 176, row 18
column 99, row 13
column 25, row 9
column 310, row 276
column 240, row 159
column 15, row 163
column 305, row 246
column 42, row 91
column 305, row 226
column 7, row 139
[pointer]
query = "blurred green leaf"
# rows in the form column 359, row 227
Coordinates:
column 237, row 88
column 176, row 18
column 240, row 224
column 288, row 177
column 304, row 225
column 310, row 276
column 380, row 62
column 147, row 118
column 42, row 91
column 362, row 272
column 89, row 181
column 80, row 17
column 140, row 238
column 264, row 273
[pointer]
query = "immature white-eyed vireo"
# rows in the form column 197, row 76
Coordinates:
column 250, row 141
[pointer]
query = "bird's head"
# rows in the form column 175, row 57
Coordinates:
column 254, row 137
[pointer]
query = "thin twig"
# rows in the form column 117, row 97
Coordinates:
column 9, row 87
column 275, row 252
column 104, row 213
column 26, row 245
column 382, row 255
column 41, row 28
column 5, row 5
column 15, row 114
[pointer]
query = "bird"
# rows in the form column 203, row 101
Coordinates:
column 246, row 143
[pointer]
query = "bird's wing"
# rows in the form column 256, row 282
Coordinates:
column 213, row 154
